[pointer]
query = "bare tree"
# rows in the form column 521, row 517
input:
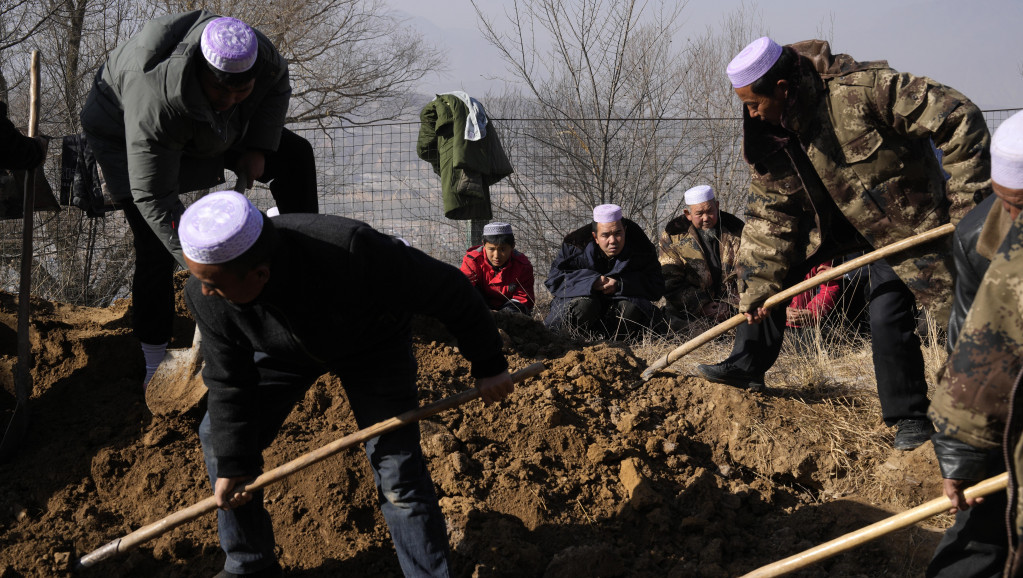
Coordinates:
column 714, row 106
column 19, row 21
column 77, row 259
column 610, row 92
column 350, row 60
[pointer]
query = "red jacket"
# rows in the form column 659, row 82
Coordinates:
column 514, row 282
column 821, row 303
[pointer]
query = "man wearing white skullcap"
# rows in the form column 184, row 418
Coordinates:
column 605, row 278
column 697, row 253
column 842, row 160
column 970, row 405
column 281, row 301
column 501, row 274
column 188, row 96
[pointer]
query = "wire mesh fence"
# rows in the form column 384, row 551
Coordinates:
column 372, row 173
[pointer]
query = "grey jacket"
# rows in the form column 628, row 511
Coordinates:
column 152, row 127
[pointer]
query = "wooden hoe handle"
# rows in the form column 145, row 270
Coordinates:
column 875, row 530
column 832, row 273
column 145, row 533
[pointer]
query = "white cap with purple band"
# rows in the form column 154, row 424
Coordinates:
column 229, row 45
column 219, row 227
column 753, row 62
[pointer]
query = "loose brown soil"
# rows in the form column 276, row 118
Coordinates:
column 585, row 471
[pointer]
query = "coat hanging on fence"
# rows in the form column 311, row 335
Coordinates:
column 80, row 184
column 466, row 167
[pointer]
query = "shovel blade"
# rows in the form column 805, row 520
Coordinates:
column 177, row 385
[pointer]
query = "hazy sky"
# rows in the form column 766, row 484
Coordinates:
column 975, row 47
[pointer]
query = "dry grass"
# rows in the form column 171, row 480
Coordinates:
column 833, row 386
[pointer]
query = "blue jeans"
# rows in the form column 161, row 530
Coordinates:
column 379, row 385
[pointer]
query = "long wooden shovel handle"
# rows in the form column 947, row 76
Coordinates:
column 145, row 533
column 876, row 530
column 23, row 376
column 829, row 274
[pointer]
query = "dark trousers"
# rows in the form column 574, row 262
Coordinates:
column 291, row 172
column 379, row 385
column 977, row 545
column 613, row 317
column 898, row 361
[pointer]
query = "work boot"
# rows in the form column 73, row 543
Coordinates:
column 912, row 433
column 274, row 571
column 728, row 374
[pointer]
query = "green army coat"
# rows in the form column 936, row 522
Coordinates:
column 148, row 115
column 977, row 398
column 866, row 130
column 466, row 168
column 688, row 282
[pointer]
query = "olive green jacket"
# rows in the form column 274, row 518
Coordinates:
column 688, row 281
column 149, row 121
column 466, row 168
column 866, row 130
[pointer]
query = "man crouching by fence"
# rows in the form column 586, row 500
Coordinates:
column 279, row 302
column 605, row 278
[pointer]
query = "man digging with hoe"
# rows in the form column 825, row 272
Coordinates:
column 843, row 160
column 280, row 302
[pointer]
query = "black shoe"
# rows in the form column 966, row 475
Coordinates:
column 912, row 433
column 728, row 374
column 274, row 571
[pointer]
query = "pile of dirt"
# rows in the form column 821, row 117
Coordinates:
column 585, row 471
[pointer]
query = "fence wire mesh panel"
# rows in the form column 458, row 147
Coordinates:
column 562, row 168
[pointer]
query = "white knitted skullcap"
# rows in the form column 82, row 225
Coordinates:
column 219, row 227
column 699, row 194
column 1007, row 153
column 756, row 59
column 607, row 213
column 229, row 45
column 494, row 229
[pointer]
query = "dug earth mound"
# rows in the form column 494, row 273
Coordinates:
column 585, row 471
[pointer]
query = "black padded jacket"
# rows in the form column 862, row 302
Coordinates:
column 338, row 291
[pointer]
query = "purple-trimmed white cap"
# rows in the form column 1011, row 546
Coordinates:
column 753, row 62
column 1007, row 153
column 219, row 227
column 494, row 229
column 607, row 213
column 229, row 45
column 699, row 194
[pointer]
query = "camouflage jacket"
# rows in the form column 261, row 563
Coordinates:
column 855, row 142
column 975, row 400
column 688, row 280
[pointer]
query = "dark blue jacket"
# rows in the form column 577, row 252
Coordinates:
column 580, row 262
